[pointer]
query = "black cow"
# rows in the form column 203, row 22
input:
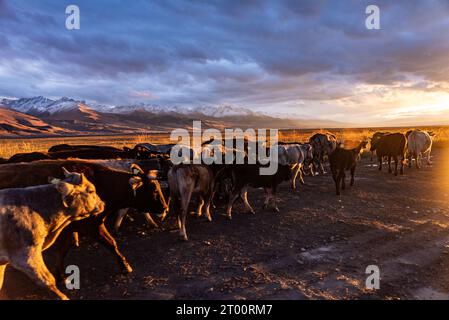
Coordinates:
column 248, row 175
column 390, row 145
column 341, row 160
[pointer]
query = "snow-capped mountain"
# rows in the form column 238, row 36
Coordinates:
column 72, row 116
column 41, row 105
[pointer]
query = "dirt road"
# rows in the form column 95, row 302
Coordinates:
column 317, row 247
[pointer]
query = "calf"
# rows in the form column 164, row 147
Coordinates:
column 32, row 218
column 118, row 189
column 248, row 175
column 323, row 145
column 184, row 181
column 341, row 160
column 418, row 143
column 390, row 145
column 295, row 155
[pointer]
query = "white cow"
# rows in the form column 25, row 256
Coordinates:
column 418, row 143
column 295, row 156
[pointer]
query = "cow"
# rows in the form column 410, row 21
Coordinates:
column 375, row 137
column 185, row 181
column 28, row 157
column 341, row 160
column 418, row 143
column 2, row 160
column 71, row 147
column 32, row 218
column 295, row 155
column 390, row 145
column 74, row 153
column 117, row 189
column 323, row 144
column 248, row 175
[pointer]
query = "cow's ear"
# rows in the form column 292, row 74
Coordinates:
column 83, row 180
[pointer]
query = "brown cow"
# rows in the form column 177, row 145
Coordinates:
column 390, row 145
column 32, row 218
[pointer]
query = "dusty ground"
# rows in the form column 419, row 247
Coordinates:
column 317, row 247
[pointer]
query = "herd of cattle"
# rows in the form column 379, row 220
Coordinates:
column 48, row 199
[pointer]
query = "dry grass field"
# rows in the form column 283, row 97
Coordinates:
column 9, row 147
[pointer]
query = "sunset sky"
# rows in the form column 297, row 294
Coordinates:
column 305, row 59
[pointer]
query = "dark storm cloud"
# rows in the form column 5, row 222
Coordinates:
column 254, row 53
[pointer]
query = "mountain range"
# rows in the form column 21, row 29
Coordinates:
column 41, row 116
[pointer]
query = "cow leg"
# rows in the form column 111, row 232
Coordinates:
column 428, row 157
column 2, row 274
column 337, row 179
column 416, row 156
column 244, row 196
column 150, row 220
column 301, row 174
column 322, row 167
column 343, row 178
column 312, row 169
column 275, row 207
column 389, row 164
column 199, row 210
column 379, row 158
column 166, row 209
column 352, row 176
column 185, row 200
column 120, row 216
column 33, row 266
column 232, row 199
column 267, row 197
column 295, row 170
column 410, row 159
column 402, row 163
column 396, row 159
column 62, row 246
column 208, row 204
column 105, row 238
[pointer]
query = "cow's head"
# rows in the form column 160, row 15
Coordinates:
column 374, row 142
column 307, row 149
column 147, row 192
column 78, row 195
